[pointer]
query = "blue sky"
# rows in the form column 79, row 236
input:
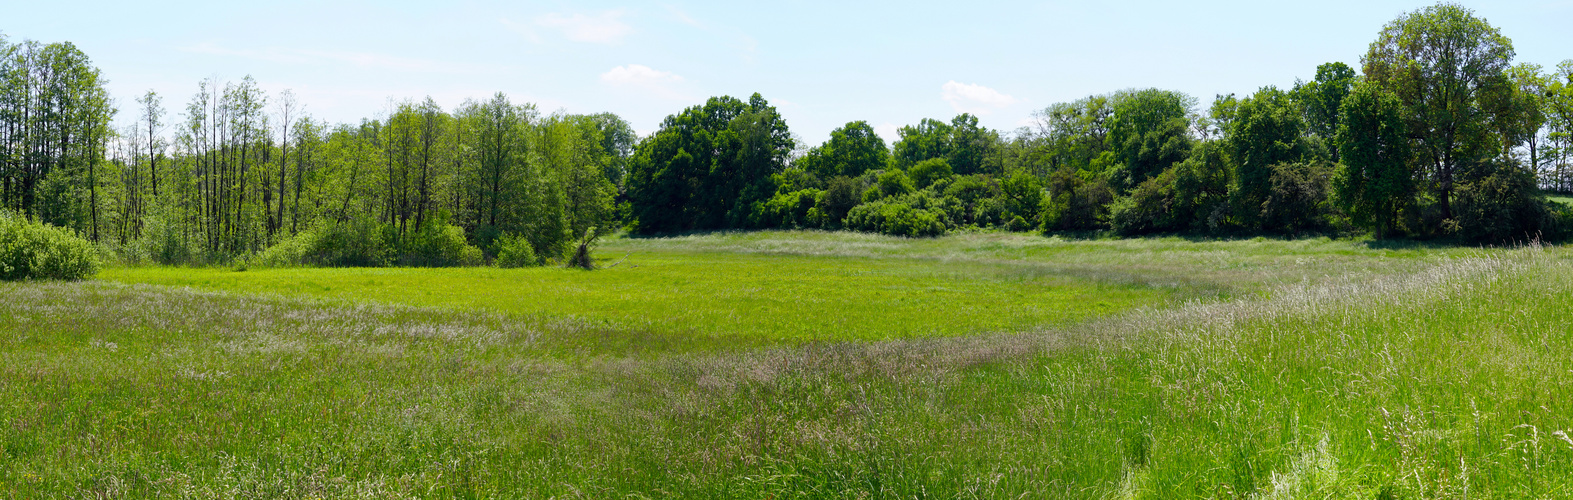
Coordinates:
column 821, row 63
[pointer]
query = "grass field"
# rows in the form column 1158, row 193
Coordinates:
column 1260, row 368
column 751, row 287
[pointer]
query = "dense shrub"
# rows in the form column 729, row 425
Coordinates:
column 1074, row 203
column 890, row 183
column 352, row 243
column 787, row 210
column 896, row 218
column 31, row 250
column 1148, row 209
column 437, row 244
column 1501, row 204
column 1298, row 200
column 841, row 194
column 515, row 251
column 925, row 172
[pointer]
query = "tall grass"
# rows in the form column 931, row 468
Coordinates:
column 1442, row 383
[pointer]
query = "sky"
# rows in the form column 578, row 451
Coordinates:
column 821, row 63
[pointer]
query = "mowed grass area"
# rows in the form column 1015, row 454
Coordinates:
column 828, row 286
column 1327, row 370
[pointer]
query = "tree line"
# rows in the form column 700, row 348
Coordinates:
column 1439, row 133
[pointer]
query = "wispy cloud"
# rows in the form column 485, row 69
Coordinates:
column 604, row 27
column 359, row 59
column 973, row 98
column 638, row 76
column 683, row 17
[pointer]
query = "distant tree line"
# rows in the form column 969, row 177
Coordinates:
column 1438, row 134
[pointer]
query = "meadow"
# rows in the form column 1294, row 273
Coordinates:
column 1143, row 368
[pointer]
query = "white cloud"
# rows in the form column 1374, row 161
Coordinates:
column 604, row 27
column 973, row 98
column 660, row 83
column 638, row 74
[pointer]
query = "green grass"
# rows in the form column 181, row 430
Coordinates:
column 1331, row 370
column 825, row 286
column 1560, row 198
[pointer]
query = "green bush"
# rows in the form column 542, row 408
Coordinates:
column 787, row 210
column 1501, row 204
column 1147, row 209
column 895, row 218
column 1298, row 200
column 289, row 252
column 31, row 250
column 515, row 251
column 1075, row 203
column 437, row 244
column 927, row 171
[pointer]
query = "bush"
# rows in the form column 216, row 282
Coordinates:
column 925, row 172
column 787, row 210
column 515, row 251
column 1075, row 203
column 1148, row 209
column 839, row 198
column 31, row 250
column 894, row 183
column 895, row 218
column 354, row 243
column 291, row 251
column 1501, row 205
column 1298, row 200
column 438, row 244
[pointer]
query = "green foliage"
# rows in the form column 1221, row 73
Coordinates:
column 1449, row 69
column 515, row 251
column 1323, row 98
column 707, row 166
column 1149, row 131
column 1267, row 130
column 1502, row 204
column 893, row 183
column 788, row 210
column 839, row 197
column 895, row 217
column 852, row 150
column 966, row 147
column 438, row 244
column 926, row 172
column 1298, row 201
column 358, row 242
column 1148, row 209
column 1074, row 203
column 1373, row 183
column 39, row 251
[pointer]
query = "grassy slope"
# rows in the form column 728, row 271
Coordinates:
column 1435, row 381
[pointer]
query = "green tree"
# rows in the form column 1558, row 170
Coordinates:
column 1374, row 180
column 1323, row 97
column 708, row 166
column 853, row 149
column 1447, row 67
column 1149, row 132
column 1266, row 130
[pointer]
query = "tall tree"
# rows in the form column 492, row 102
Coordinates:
column 1446, row 66
column 1374, row 180
column 852, row 149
